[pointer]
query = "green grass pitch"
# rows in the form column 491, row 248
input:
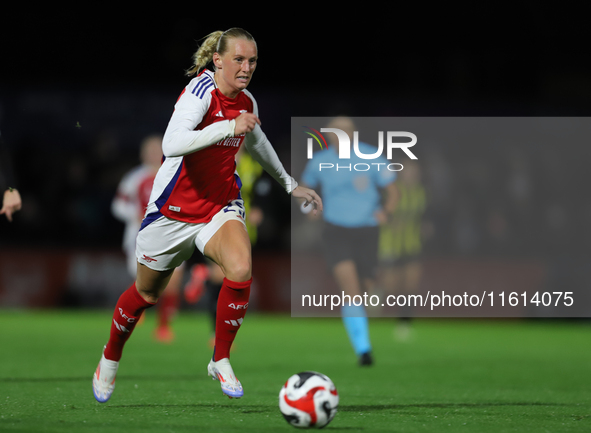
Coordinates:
column 449, row 376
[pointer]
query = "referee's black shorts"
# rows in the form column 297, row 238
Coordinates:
column 359, row 244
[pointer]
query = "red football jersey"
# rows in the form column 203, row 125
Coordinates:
column 194, row 187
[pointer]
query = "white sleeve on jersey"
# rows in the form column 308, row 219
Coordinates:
column 181, row 138
column 124, row 206
column 123, row 209
column 260, row 148
column 262, row 151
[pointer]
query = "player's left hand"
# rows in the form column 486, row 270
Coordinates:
column 310, row 197
column 11, row 203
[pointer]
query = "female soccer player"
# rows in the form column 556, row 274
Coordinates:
column 195, row 201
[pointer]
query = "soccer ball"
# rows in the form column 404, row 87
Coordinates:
column 308, row 399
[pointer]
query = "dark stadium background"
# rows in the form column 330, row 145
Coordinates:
column 78, row 91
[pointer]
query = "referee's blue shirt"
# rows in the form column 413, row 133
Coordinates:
column 350, row 197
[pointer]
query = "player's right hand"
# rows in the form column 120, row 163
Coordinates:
column 310, row 196
column 246, row 122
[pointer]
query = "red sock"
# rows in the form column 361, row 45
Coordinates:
column 168, row 305
column 128, row 310
column 232, row 305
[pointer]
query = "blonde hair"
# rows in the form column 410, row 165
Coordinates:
column 215, row 42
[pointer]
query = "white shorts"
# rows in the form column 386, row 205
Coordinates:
column 166, row 243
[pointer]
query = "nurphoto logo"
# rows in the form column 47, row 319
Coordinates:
column 344, row 148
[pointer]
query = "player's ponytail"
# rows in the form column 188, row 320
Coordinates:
column 215, row 42
column 204, row 54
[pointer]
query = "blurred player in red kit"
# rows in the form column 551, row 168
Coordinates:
column 196, row 202
column 129, row 206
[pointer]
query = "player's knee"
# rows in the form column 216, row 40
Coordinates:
column 149, row 294
column 150, row 284
column 239, row 270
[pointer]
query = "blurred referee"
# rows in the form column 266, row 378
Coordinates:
column 354, row 209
